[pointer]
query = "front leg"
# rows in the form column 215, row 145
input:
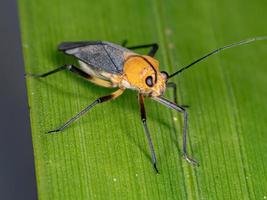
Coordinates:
column 143, row 118
column 174, row 106
column 172, row 85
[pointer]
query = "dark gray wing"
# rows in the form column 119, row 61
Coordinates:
column 99, row 55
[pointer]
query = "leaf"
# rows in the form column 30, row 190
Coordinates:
column 105, row 154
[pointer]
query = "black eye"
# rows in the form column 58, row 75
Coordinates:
column 149, row 81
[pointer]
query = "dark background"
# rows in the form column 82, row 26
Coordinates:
column 17, row 180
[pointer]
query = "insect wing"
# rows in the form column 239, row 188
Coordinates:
column 102, row 56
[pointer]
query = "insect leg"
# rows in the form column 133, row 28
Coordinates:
column 174, row 106
column 173, row 86
column 143, row 118
column 85, row 110
column 78, row 72
column 71, row 68
column 124, row 43
column 154, row 47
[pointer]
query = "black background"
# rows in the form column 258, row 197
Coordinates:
column 17, row 180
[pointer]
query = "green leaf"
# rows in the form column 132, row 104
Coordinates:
column 105, row 154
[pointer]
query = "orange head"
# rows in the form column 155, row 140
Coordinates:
column 142, row 73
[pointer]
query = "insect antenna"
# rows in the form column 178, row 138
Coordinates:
column 243, row 42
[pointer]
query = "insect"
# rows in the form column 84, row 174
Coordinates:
column 117, row 66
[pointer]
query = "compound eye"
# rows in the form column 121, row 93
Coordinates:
column 149, row 81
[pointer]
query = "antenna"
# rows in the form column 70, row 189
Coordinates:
column 243, row 42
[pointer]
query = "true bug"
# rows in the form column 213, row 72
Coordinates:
column 114, row 66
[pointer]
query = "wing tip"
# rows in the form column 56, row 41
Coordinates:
column 71, row 45
column 63, row 46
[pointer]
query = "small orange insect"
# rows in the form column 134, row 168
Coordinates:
column 114, row 66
